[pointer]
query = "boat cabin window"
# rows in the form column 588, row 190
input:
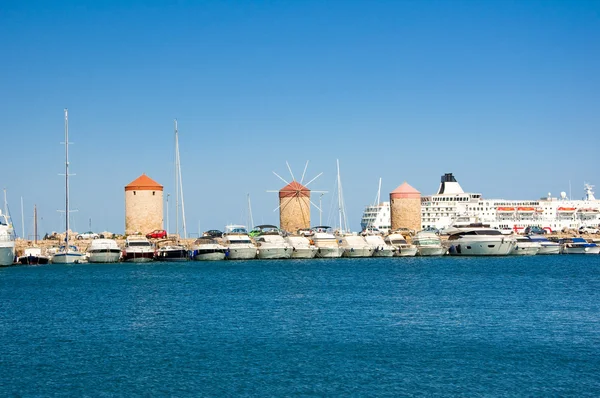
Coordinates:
column 130, row 244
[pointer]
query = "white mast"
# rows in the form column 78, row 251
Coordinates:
column 66, row 179
column 250, row 213
column 22, row 220
column 35, row 224
column 179, row 185
column 378, row 193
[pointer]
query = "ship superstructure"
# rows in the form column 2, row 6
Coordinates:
column 451, row 202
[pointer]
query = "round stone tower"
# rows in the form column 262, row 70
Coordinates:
column 143, row 206
column 294, row 207
column 405, row 208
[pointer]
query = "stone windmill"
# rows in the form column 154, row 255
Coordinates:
column 294, row 202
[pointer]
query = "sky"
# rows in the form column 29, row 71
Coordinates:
column 503, row 94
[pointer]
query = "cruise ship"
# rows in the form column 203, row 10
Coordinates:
column 451, row 202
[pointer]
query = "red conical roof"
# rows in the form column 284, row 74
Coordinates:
column 143, row 183
column 405, row 191
column 292, row 189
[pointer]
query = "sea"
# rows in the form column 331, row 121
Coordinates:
column 449, row 326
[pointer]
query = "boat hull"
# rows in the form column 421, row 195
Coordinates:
column 304, row 252
column 385, row 252
column 431, row 251
column 329, row 252
column 521, row 250
column 483, row 247
column 581, row 250
column 33, row 260
column 208, row 255
column 138, row 257
column 549, row 249
column 104, row 256
column 273, row 253
column 178, row 255
column 68, row 258
column 7, row 255
column 241, row 253
column 406, row 252
column 354, row 252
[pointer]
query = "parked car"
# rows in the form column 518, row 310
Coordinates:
column 588, row 230
column 157, row 234
column 534, row 230
column 87, row 235
column 213, row 233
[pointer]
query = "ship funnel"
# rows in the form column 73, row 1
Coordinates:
column 449, row 185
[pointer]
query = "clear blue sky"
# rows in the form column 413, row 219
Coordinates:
column 504, row 94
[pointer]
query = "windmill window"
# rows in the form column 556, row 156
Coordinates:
column 134, row 193
column 153, row 193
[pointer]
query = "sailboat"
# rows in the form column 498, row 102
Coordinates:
column 175, row 252
column 354, row 245
column 67, row 254
column 33, row 255
column 7, row 237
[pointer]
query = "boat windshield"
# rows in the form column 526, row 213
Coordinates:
column 141, row 243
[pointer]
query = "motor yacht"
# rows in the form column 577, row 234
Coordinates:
column 526, row 246
column 270, row 243
column 33, row 256
column 354, row 245
column 104, row 251
column 7, row 241
column 171, row 253
column 480, row 240
column 546, row 245
column 403, row 248
column 428, row 244
column 207, row 248
column 326, row 242
column 374, row 238
column 237, row 240
column 138, row 249
column 577, row 245
column 303, row 246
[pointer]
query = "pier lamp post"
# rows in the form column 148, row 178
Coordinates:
column 167, row 226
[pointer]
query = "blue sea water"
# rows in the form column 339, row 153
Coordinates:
column 513, row 326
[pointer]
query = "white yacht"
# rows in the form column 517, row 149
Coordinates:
column 302, row 246
column 270, row 243
column 207, row 248
column 326, row 242
column 577, row 245
column 7, row 241
column 171, row 252
column 374, row 238
column 526, row 246
column 68, row 254
column 480, row 240
column 104, row 251
column 354, row 246
column 546, row 246
column 237, row 240
column 403, row 248
column 138, row 249
column 428, row 244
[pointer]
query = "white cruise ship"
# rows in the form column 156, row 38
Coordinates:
column 439, row 210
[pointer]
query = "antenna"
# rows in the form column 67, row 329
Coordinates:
column 250, row 213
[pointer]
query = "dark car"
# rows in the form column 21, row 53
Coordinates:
column 157, row 234
column 534, row 230
column 213, row 233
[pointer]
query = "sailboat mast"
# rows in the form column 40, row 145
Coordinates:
column 250, row 213
column 35, row 224
column 379, row 193
column 181, row 190
column 339, row 182
column 176, row 181
column 66, row 177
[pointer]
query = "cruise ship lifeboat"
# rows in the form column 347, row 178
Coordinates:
column 566, row 209
column 505, row 209
column 588, row 211
column 525, row 209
